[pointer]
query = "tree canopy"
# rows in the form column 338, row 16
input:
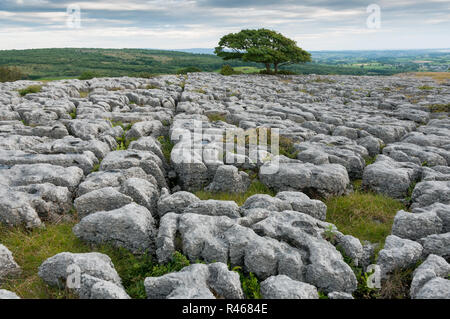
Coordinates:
column 261, row 46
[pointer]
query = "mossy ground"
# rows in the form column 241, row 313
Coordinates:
column 31, row 248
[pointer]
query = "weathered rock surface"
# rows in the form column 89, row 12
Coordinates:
column 5, row 294
column 292, row 175
column 90, row 275
column 103, row 146
column 197, row 281
column 433, row 267
column 131, row 226
column 8, row 266
column 229, row 179
column 283, row 287
column 397, row 254
column 288, row 243
column 389, row 177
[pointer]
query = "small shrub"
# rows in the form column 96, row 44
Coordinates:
column 426, row 87
column 250, row 284
column 11, row 74
column 123, row 143
column 322, row 295
column 330, row 235
column 73, row 114
column 228, row 70
column 188, row 70
column 88, row 75
column 30, row 89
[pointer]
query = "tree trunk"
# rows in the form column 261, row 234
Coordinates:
column 276, row 67
column 268, row 67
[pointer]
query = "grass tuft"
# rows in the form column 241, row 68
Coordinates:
column 84, row 94
column 366, row 216
column 439, row 108
column 216, row 118
column 166, row 146
column 30, row 89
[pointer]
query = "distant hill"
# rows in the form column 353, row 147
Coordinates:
column 72, row 62
column 196, row 51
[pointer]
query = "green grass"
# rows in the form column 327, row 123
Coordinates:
column 425, row 87
column 134, row 269
column 56, row 78
column 370, row 159
column 438, row 108
column 30, row 89
column 256, row 187
column 323, row 80
column 126, row 127
column 96, row 168
column 73, row 114
column 216, row 117
column 366, row 216
column 166, row 146
column 31, row 248
column 123, row 143
column 250, row 284
column 201, row 91
column 247, row 69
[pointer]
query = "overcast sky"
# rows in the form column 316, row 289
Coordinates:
column 181, row 24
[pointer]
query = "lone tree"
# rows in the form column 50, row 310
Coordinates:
column 261, row 46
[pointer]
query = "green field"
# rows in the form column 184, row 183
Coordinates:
column 55, row 64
